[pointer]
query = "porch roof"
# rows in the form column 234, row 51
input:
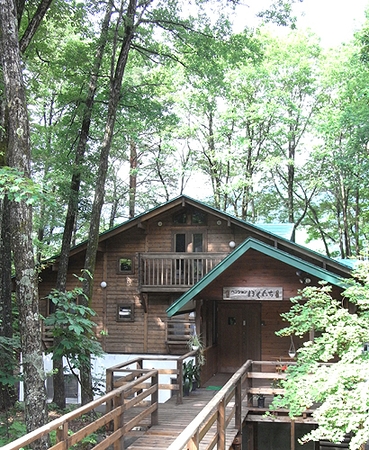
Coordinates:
column 186, row 302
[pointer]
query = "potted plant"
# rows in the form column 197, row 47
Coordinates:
column 261, row 400
column 195, row 343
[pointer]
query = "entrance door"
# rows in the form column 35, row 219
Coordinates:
column 239, row 337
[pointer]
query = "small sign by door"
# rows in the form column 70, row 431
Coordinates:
column 252, row 293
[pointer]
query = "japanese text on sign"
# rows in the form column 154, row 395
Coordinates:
column 252, row 293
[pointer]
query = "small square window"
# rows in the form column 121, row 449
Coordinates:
column 125, row 265
column 125, row 313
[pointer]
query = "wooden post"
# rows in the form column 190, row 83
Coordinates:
column 238, row 405
column 140, row 367
column 62, row 433
column 119, row 421
column 109, row 387
column 194, row 442
column 155, row 399
column 221, row 425
column 251, row 435
column 180, row 381
column 293, row 435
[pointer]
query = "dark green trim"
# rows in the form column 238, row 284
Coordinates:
column 266, row 249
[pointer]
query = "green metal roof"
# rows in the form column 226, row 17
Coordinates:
column 283, row 230
column 180, row 305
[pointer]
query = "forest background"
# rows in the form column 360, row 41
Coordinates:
column 109, row 109
column 269, row 127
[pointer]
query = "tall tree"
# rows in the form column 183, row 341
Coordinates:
column 338, row 215
column 19, row 157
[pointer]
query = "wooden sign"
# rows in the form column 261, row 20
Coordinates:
column 252, row 293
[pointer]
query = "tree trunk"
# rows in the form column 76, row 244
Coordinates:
column 21, row 224
column 132, row 179
column 114, row 96
column 58, row 378
column 7, row 356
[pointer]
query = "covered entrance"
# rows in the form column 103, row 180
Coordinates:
column 239, row 338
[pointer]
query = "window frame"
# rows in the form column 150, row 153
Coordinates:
column 131, row 317
column 126, row 272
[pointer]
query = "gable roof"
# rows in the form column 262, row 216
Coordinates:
column 266, row 233
column 185, row 302
column 282, row 231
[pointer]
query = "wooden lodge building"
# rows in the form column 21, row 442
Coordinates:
column 185, row 265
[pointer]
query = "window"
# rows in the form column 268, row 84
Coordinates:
column 198, row 218
column 189, row 242
column 189, row 217
column 180, row 218
column 125, row 313
column 197, row 242
column 125, row 265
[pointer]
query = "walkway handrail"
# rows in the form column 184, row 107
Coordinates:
column 111, row 372
column 121, row 404
column 213, row 412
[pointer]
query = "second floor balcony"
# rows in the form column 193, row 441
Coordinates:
column 175, row 271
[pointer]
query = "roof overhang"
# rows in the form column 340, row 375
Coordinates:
column 187, row 301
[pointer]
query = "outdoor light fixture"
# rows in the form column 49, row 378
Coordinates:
column 292, row 349
column 232, row 244
column 103, row 284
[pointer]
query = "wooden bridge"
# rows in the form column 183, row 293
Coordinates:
column 130, row 416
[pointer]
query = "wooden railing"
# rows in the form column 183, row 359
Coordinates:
column 222, row 412
column 175, row 270
column 235, row 402
column 123, row 373
column 120, row 417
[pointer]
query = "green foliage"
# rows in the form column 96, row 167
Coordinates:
column 73, row 328
column 9, row 347
column 280, row 12
column 339, row 389
column 12, row 425
column 191, row 373
column 19, row 187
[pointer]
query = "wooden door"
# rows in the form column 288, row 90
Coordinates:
column 239, row 334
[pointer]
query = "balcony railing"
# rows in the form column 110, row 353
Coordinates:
column 175, row 270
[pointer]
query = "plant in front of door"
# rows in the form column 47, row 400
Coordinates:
column 195, row 343
column 188, row 376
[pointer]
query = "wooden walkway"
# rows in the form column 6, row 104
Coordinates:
column 174, row 418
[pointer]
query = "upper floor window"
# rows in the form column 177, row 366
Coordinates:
column 180, row 218
column 189, row 217
column 189, row 242
column 198, row 218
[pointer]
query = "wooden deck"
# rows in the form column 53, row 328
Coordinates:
column 174, row 418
